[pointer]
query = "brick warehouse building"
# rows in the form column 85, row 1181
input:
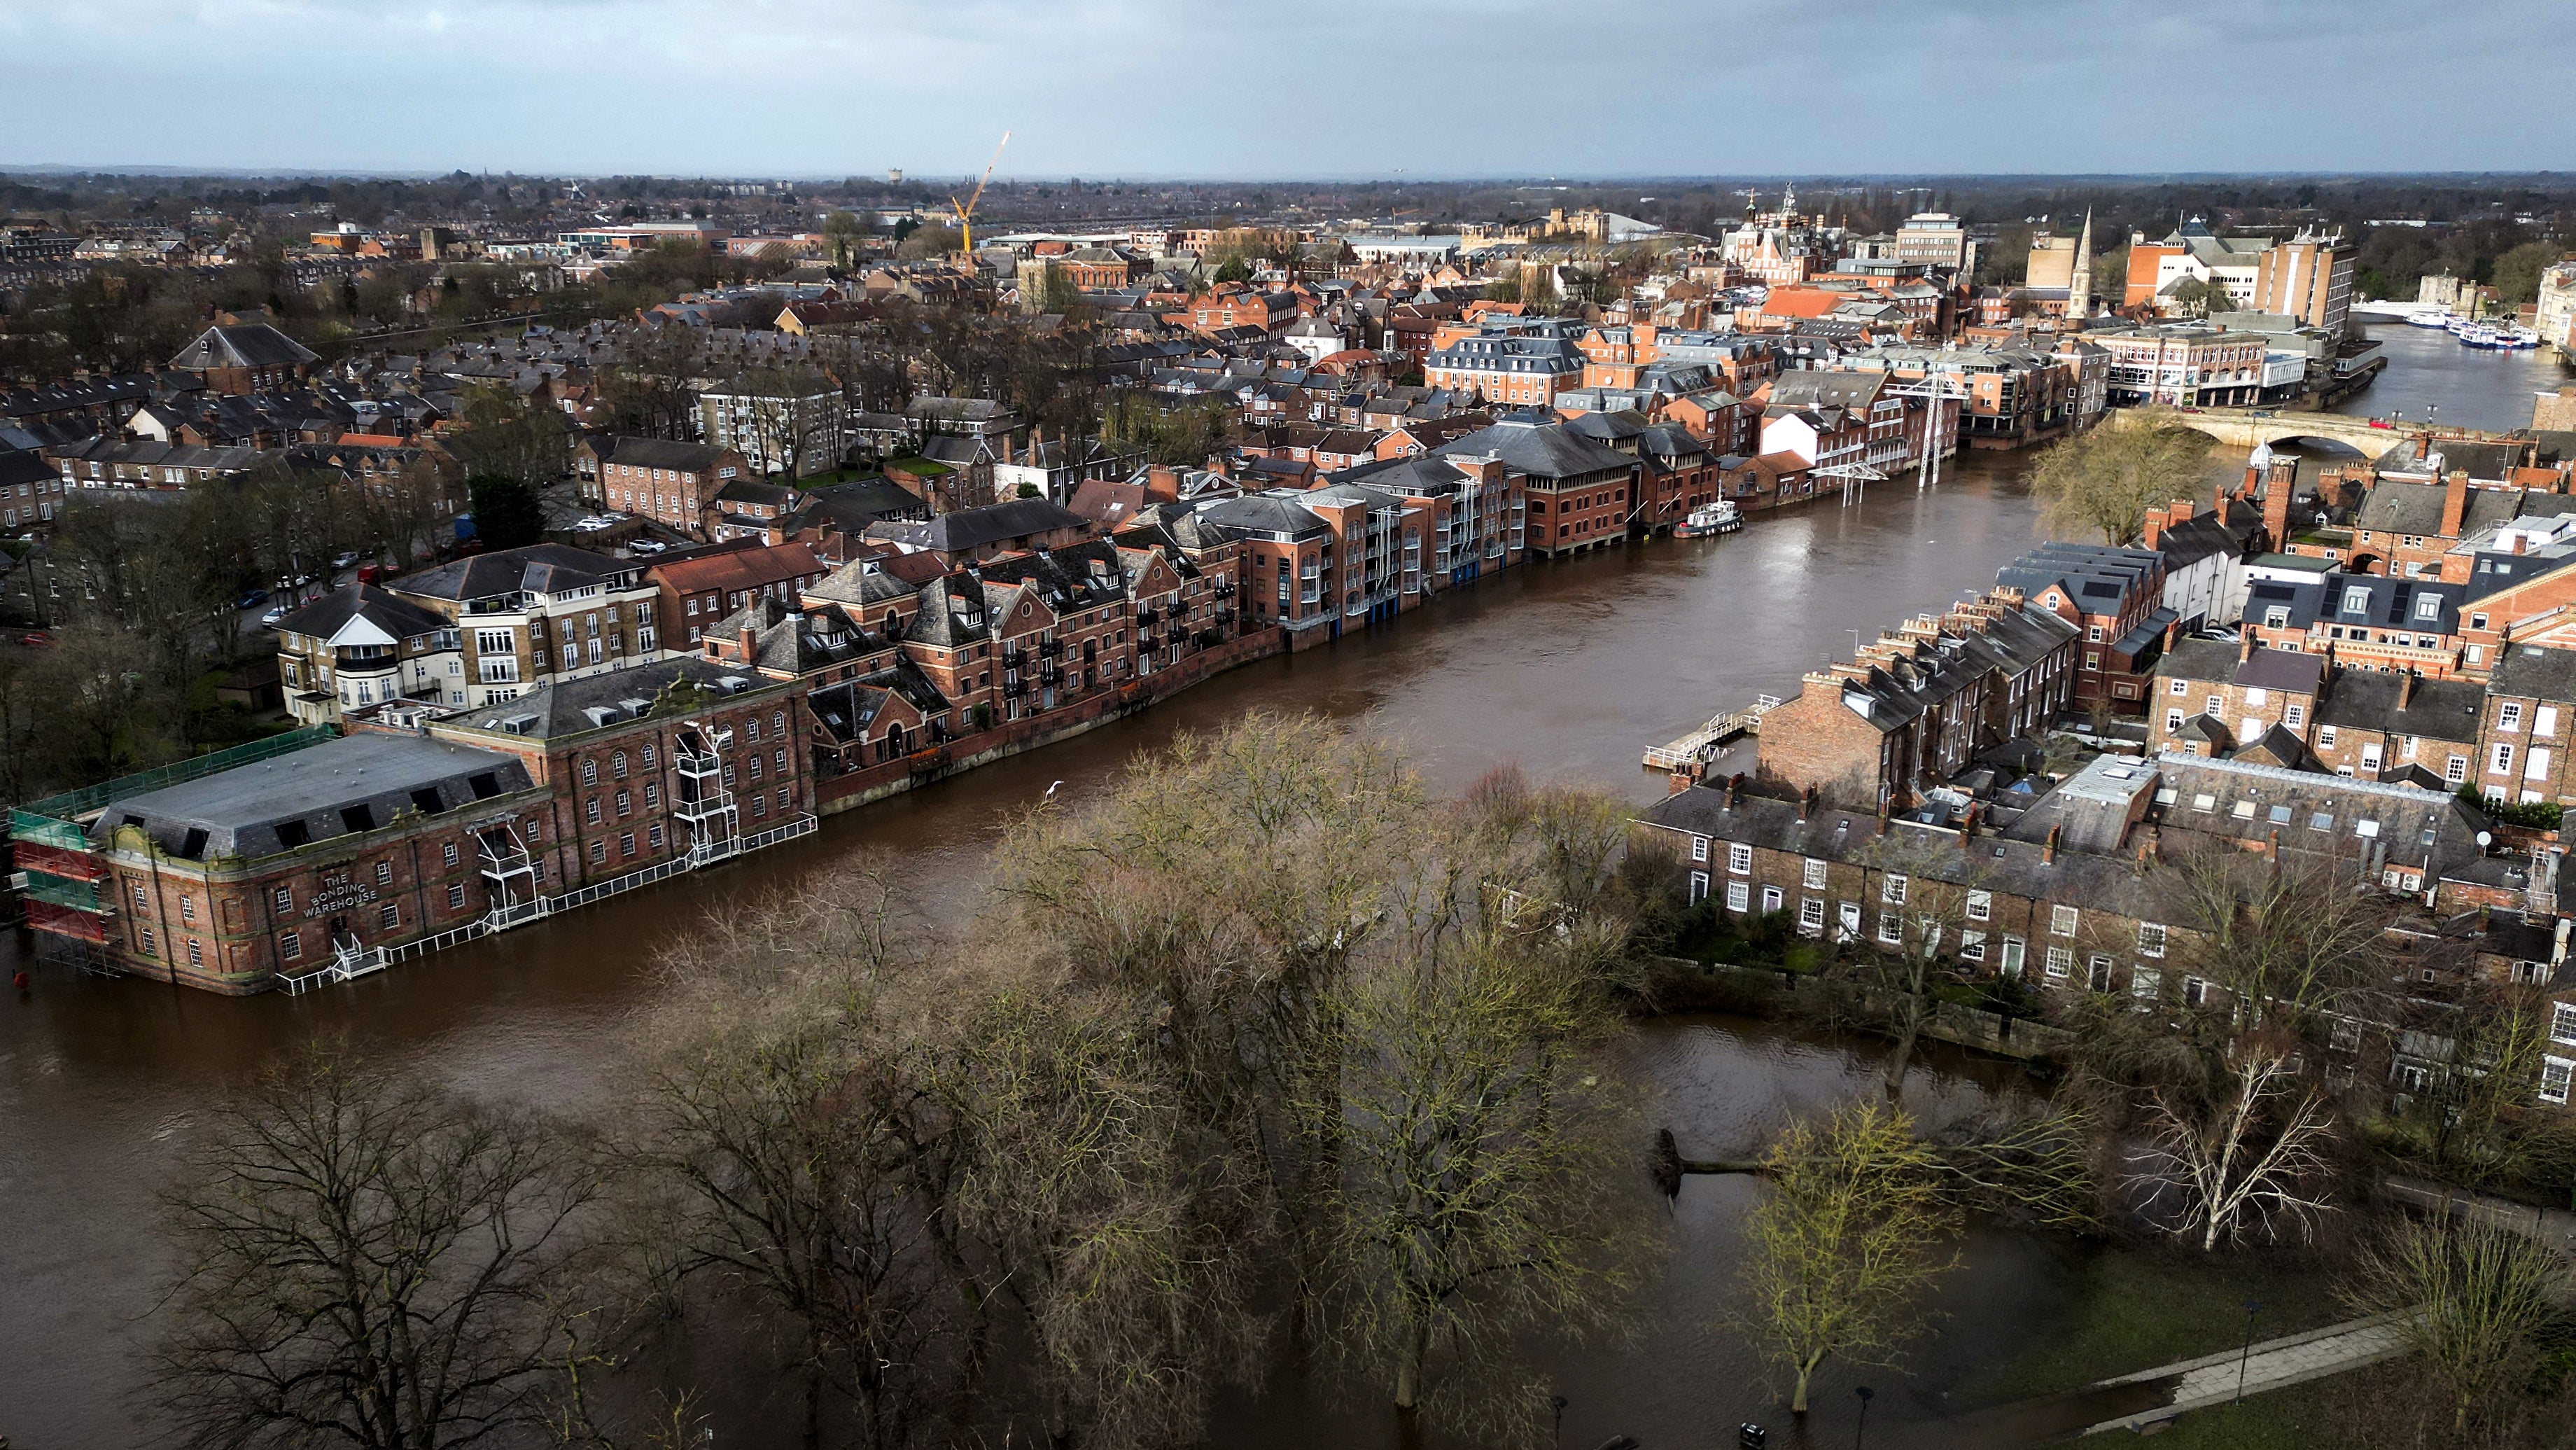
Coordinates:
column 329, row 855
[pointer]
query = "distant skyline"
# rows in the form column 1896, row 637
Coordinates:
column 1212, row 89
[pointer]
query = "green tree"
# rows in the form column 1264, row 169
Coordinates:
column 2517, row 273
column 506, row 512
column 1843, row 1245
column 2104, row 481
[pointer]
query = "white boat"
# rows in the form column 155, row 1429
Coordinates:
column 1720, row 517
column 2482, row 337
column 2428, row 319
column 2519, row 337
column 2458, row 325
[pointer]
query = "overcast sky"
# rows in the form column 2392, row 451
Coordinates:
column 1338, row 88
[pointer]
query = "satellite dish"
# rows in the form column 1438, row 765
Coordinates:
column 2485, row 839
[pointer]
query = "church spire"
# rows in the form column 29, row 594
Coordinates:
column 2079, row 283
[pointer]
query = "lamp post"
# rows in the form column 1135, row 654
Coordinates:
column 1557, row 1403
column 2247, row 1356
column 1861, row 1426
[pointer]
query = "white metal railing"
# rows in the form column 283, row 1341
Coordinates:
column 350, row 961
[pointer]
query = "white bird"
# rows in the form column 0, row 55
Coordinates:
column 1050, row 794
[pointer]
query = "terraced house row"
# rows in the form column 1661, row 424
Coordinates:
column 2087, row 886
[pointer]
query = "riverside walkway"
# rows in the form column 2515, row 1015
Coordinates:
column 2273, row 1364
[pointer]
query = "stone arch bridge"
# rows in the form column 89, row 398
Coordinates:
column 2246, row 427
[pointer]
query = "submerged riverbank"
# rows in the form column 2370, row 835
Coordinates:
column 1567, row 670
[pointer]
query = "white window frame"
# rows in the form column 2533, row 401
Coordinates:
column 2062, row 920
column 1892, row 889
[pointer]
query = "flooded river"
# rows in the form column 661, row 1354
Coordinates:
column 1571, row 670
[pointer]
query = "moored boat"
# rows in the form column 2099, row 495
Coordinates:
column 1720, row 517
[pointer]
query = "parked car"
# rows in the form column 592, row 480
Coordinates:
column 36, row 638
column 251, row 599
column 270, row 619
column 646, row 546
column 345, row 560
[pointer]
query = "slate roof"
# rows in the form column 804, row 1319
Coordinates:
column 1274, row 514
column 2315, row 813
column 2531, row 672
column 569, row 707
column 2434, row 710
column 538, row 568
column 1537, row 450
column 659, row 453
column 396, row 616
column 952, row 613
column 22, row 466
column 2360, row 601
column 2097, row 577
column 974, row 528
column 257, row 345
column 1998, row 862
column 1070, row 579
column 1845, row 390
column 338, row 788
column 793, row 641
column 2395, row 507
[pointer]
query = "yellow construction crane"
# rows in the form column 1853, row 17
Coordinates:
column 966, row 209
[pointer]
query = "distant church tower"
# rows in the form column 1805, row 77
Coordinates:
column 2079, row 284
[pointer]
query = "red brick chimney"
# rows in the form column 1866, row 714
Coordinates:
column 2276, row 503
column 2154, row 530
column 2405, row 688
column 2455, row 504
column 2048, row 851
column 1161, row 482
column 2253, row 480
column 750, row 644
column 2244, row 643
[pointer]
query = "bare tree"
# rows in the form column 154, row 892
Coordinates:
column 1844, row 1243
column 1474, row 1137
column 775, row 1139
column 367, row 1263
column 1127, row 1243
column 2471, row 1294
column 2253, row 1163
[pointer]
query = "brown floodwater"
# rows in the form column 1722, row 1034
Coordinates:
column 1569, row 670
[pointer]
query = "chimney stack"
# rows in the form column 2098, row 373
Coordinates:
column 2048, row 851
column 1734, row 789
column 2153, row 531
column 2244, row 643
column 750, row 644
column 2253, row 479
column 1806, row 804
column 2455, row 504
column 2405, row 688
column 2276, row 501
